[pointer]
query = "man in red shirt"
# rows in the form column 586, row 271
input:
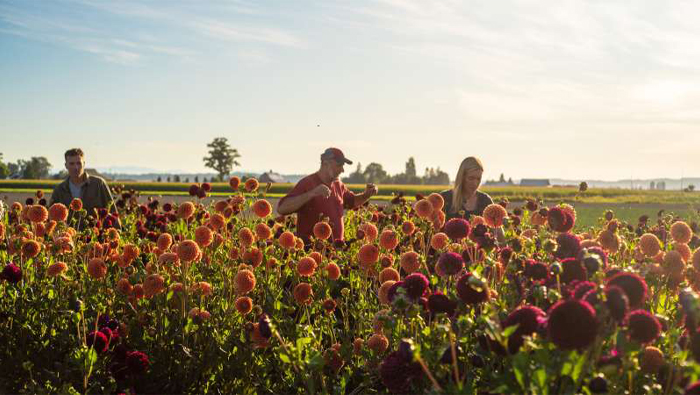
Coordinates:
column 322, row 194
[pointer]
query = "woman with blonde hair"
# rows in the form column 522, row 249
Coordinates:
column 465, row 199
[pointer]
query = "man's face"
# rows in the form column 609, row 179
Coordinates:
column 75, row 166
column 334, row 169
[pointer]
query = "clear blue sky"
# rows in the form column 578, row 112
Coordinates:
column 571, row 89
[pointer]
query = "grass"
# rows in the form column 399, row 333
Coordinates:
column 546, row 194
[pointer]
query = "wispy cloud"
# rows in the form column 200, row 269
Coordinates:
column 236, row 32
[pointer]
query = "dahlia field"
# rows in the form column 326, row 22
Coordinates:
column 164, row 298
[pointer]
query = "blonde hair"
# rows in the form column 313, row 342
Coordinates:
column 470, row 163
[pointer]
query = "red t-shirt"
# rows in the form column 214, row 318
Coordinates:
column 316, row 208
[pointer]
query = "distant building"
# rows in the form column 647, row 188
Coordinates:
column 271, row 177
column 535, row 182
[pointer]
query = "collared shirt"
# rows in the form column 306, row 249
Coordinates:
column 332, row 207
column 94, row 191
column 482, row 200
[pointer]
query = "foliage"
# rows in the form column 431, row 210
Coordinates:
column 222, row 157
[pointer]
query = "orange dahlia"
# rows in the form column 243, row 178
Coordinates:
column 203, row 236
column 287, row 240
column 188, row 251
column 333, row 271
column 423, row 208
column 681, row 232
column 696, row 259
column 322, row 230
column 37, row 213
column 76, row 204
column 58, row 212
column 682, row 249
column 185, row 210
column 368, row 254
column 131, row 252
column 165, row 240
column 244, row 281
column 378, row 343
column 97, row 268
column 316, row 256
column 251, row 185
column 408, row 227
column 124, row 286
column 389, row 273
column 436, row 201
column 217, row 221
column 494, row 214
column 650, row 244
column 244, row 305
column 262, row 231
column 153, row 285
column 234, row 182
column 261, row 208
column 609, row 240
column 56, row 269
column 253, row 257
column 439, row 241
column 370, row 231
column 410, row 261
column 303, row 293
column 30, row 248
column 389, row 239
column 246, row 237
column 306, row 266
column 383, row 292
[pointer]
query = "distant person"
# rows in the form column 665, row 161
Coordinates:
column 92, row 190
column 322, row 194
column 465, row 199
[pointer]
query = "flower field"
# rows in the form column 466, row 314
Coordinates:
column 223, row 298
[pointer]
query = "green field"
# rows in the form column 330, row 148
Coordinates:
column 546, row 194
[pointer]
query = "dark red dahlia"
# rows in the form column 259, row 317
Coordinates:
column 560, row 220
column 206, row 186
column 98, row 341
column 391, row 294
column 568, row 246
column 594, row 259
column 642, row 326
column 634, row 286
column 617, row 302
column 194, row 190
column 457, row 228
column 572, row 270
column 449, row 263
column 415, row 284
column 472, row 290
column 582, row 288
column 167, row 207
column 536, row 271
column 397, row 373
column 528, row 319
column 137, row 362
column 439, row 303
column 12, row 273
column 572, row 324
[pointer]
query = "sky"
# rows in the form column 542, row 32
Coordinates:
column 569, row 89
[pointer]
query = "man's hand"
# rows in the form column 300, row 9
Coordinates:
column 371, row 190
column 321, row 190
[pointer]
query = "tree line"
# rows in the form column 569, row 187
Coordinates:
column 375, row 173
column 37, row 167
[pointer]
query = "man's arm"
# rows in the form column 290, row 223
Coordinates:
column 291, row 204
column 370, row 190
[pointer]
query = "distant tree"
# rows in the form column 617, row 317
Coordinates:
column 510, row 180
column 4, row 170
column 187, row 180
column 159, row 179
column 196, row 179
column 221, row 157
column 502, row 178
column 176, row 178
column 652, row 185
column 691, row 188
column 374, row 173
column 34, row 169
column 167, row 179
column 204, row 179
column 435, row 177
column 356, row 177
column 61, row 175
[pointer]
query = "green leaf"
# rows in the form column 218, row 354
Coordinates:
column 285, row 358
column 510, row 330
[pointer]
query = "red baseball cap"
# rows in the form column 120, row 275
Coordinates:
column 335, row 154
